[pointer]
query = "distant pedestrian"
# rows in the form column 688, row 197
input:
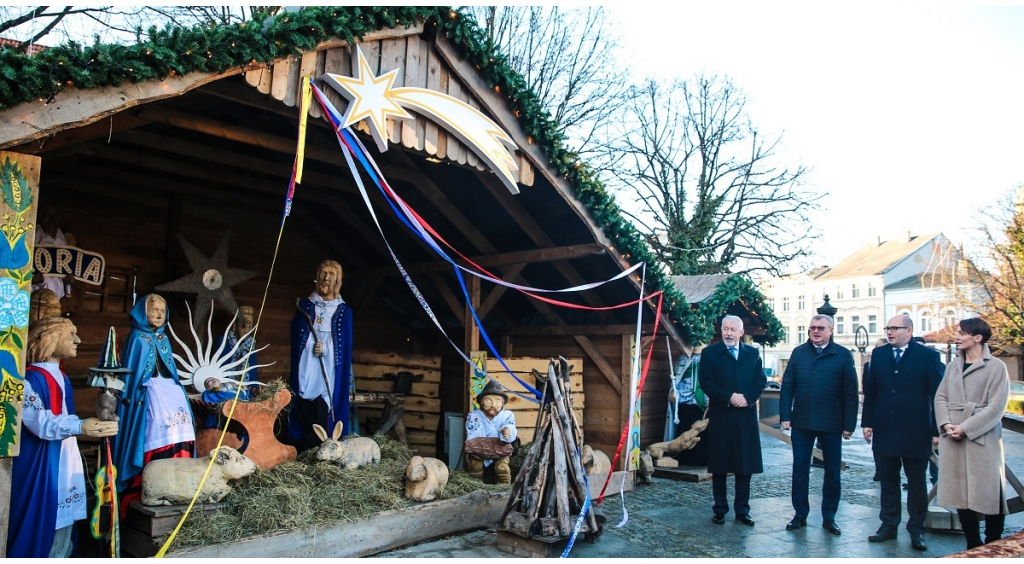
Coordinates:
column 899, row 421
column 819, row 402
column 969, row 408
column 732, row 377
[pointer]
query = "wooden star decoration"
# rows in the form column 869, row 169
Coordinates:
column 211, row 279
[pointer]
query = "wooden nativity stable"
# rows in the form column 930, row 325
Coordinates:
column 134, row 168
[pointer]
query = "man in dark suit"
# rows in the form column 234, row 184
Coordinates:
column 899, row 422
column 732, row 378
column 819, row 402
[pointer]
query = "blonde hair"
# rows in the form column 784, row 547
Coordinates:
column 43, row 336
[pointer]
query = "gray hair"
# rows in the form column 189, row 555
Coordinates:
column 732, row 318
column 826, row 318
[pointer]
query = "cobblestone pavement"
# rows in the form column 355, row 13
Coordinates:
column 673, row 519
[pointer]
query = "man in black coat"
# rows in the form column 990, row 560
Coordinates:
column 818, row 401
column 732, row 378
column 899, row 422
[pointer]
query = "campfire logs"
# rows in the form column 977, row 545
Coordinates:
column 550, row 489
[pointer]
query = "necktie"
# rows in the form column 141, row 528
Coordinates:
column 899, row 354
column 732, row 350
column 819, row 350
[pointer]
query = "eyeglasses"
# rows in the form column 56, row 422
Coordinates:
column 893, row 329
column 817, row 328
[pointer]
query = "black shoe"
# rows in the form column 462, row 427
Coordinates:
column 917, row 541
column 718, row 519
column 745, row 519
column 883, row 534
column 796, row 524
column 831, row 527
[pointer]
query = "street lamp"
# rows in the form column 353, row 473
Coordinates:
column 827, row 308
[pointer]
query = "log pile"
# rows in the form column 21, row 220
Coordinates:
column 549, row 492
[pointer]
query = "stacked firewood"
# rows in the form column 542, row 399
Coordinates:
column 550, row 490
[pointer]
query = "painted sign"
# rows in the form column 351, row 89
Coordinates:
column 19, row 185
column 62, row 260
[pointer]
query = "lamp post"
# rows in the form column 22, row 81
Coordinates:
column 827, row 308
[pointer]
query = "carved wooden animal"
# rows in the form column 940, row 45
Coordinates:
column 685, row 441
column 403, row 381
column 595, row 462
column 424, row 478
column 106, row 406
column 175, row 480
column 350, row 453
column 646, row 468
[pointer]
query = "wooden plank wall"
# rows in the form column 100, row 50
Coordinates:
column 418, row 64
column 137, row 233
column 526, row 411
column 422, row 405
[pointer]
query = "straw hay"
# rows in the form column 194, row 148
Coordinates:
column 307, row 493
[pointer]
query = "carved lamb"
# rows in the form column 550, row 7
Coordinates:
column 595, row 462
column 424, row 478
column 175, row 480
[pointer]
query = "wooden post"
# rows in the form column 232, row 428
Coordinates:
column 472, row 338
column 19, row 191
column 626, row 367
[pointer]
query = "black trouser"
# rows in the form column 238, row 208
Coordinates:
column 742, row 502
column 308, row 413
column 917, row 493
column 972, row 530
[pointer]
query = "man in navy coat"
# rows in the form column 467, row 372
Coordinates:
column 899, row 422
column 732, row 378
column 818, row 401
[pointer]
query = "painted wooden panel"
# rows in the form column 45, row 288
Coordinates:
column 279, row 85
column 19, row 192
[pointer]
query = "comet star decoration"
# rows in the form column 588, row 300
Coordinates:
column 373, row 98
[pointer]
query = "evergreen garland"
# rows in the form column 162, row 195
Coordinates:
column 174, row 51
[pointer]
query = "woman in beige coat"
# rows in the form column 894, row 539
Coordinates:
column 969, row 407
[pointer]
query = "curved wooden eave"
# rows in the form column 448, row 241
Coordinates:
column 73, row 107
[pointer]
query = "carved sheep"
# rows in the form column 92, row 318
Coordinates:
column 646, row 468
column 350, row 453
column 424, row 478
column 175, row 480
column 595, row 462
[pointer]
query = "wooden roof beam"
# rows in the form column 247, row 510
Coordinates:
column 502, row 259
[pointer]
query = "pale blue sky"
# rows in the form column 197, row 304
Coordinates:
column 909, row 117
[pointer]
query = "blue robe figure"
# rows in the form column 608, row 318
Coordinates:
column 341, row 337
column 147, row 351
column 34, row 497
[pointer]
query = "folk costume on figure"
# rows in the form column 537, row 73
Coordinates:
column 157, row 421
column 51, row 492
column 320, row 398
column 491, row 420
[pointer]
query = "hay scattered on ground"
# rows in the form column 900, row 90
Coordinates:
column 306, row 493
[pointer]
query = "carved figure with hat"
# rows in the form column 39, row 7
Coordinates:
column 490, row 435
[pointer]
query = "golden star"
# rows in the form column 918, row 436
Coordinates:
column 370, row 98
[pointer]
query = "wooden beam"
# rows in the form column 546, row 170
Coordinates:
column 471, row 339
column 502, row 259
column 454, row 303
column 602, row 364
column 584, row 330
column 498, row 290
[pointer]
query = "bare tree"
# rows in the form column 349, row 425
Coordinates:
column 30, row 25
column 711, row 195
column 990, row 277
column 567, row 57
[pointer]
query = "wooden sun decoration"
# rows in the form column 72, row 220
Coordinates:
column 203, row 365
column 211, row 278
